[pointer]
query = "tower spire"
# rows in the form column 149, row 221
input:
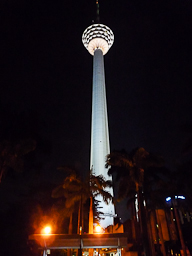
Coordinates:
column 97, row 12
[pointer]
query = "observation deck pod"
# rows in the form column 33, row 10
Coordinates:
column 98, row 36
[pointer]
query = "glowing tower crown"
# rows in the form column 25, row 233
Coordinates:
column 98, row 36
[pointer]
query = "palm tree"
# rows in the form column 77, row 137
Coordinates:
column 97, row 186
column 75, row 191
column 132, row 173
column 69, row 190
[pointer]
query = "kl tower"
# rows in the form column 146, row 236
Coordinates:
column 98, row 39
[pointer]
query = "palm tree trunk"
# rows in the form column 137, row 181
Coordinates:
column 91, row 216
column 70, row 231
column 91, row 222
column 133, row 221
column 82, row 218
column 79, row 216
column 179, row 228
column 143, row 224
column 161, row 235
column 71, row 224
column 150, row 234
column 80, row 225
column 156, row 231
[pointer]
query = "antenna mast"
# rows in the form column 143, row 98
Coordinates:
column 97, row 12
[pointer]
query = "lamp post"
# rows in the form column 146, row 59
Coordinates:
column 98, row 230
column 46, row 231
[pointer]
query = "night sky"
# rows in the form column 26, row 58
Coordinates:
column 46, row 69
column 46, row 73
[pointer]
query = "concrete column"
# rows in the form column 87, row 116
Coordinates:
column 99, row 132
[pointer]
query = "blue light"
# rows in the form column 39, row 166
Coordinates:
column 181, row 197
column 176, row 197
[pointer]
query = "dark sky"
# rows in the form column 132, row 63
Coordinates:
column 46, row 70
column 148, row 72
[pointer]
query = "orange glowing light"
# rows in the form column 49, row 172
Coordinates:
column 98, row 229
column 47, row 230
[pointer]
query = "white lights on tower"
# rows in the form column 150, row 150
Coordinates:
column 98, row 36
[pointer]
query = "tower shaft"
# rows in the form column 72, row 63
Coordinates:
column 98, row 39
column 99, row 126
column 99, row 132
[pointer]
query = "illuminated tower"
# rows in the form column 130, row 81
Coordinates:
column 98, row 39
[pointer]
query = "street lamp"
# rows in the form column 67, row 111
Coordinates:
column 98, row 229
column 46, row 231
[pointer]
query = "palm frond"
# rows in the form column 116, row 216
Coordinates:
column 58, row 192
column 68, row 170
column 119, row 159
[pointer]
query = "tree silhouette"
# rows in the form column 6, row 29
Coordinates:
column 77, row 192
column 134, row 174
